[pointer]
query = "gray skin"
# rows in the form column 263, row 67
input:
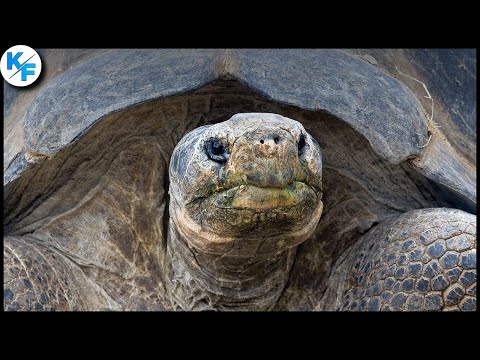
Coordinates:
column 236, row 221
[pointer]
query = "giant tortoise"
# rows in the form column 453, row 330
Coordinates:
column 242, row 180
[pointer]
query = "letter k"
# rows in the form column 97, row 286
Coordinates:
column 13, row 60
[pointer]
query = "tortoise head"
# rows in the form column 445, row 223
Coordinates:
column 248, row 186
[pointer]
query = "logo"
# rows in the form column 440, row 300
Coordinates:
column 20, row 65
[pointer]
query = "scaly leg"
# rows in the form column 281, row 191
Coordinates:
column 424, row 260
column 39, row 277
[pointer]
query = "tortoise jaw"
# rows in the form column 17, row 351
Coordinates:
column 259, row 198
column 241, row 231
column 249, row 210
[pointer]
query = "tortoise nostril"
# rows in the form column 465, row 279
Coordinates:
column 276, row 140
column 262, row 141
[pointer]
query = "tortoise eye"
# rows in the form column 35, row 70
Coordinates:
column 217, row 147
column 301, row 144
column 216, row 151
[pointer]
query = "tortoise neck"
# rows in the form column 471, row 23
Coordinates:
column 199, row 281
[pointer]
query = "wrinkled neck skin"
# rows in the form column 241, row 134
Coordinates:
column 200, row 281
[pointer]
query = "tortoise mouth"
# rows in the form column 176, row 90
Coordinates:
column 263, row 198
column 255, row 212
column 247, row 220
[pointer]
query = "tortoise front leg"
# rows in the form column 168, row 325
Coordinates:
column 38, row 277
column 424, row 260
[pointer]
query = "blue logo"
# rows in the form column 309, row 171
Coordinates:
column 25, row 68
column 21, row 65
